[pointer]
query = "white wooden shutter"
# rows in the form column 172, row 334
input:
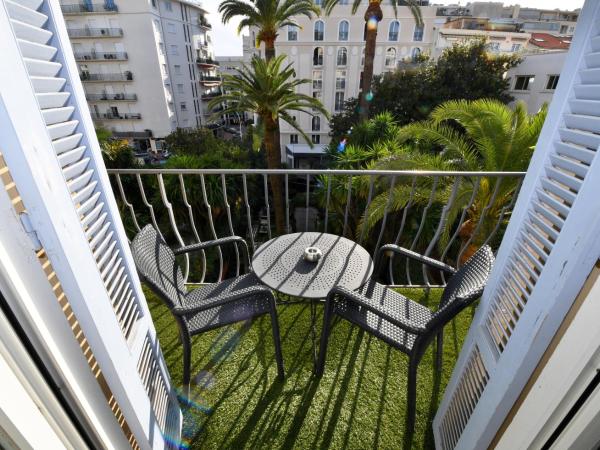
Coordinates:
column 52, row 154
column 548, row 250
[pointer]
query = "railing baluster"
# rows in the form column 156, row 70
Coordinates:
column 172, row 220
column 267, row 205
column 422, row 224
column 441, row 225
column 148, row 205
column 483, row 214
column 369, row 198
column 287, row 205
column 385, row 213
column 248, row 215
column 503, row 211
column 348, row 200
column 193, row 223
column 307, row 202
column 127, row 203
column 327, row 200
column 230, row 222
column 402, row 223
column 211, row 224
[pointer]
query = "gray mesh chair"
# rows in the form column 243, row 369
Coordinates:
column 402, row 323
column 207, row 307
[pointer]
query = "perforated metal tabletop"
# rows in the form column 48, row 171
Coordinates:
column 280, row 264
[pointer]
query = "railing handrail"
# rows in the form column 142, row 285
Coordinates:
column 359, row 172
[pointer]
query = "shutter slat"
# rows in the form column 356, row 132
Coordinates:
column 52, row 99
column 24, row 14
column 30, row 33
column 36, row 51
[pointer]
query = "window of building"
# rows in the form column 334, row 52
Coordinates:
column 318, row 56
column 183, row 106
column 317, row 80
column 515, row 47
column 390, row 57
column 153, row 3
column 415, row 53
column 318, row 95
column 342, row 56
column 343, row 30
column 493, row 46
column 563, row 29
column 177, row 69
column 164, row 69
column 418, row 33
column 171, row 27
column 394, row 30
column 168, row 5
column 362, row 58
column 523, row 81
column 552, row 82
column 316, row 123
column 174, row 50
column 293, row 138
column 292, row 33
column 319, row 2
column 340, row 80
column 180, row 88
column 316, row 138
column 161, row 48
column 319, row 30
column 339, row 101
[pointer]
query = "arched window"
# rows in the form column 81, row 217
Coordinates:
column 394, row 31
column 292, row 33
column 390, row 57
column 415, row 53
column 316, row 123
column 319, row 30
column 343, row 30
column 318, row 56
column 342, row 56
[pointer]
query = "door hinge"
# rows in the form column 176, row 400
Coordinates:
column 28, row 227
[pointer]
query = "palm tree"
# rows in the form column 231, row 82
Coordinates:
column 481, row 135
column 268, row 16
column 269, row 90
column 373, row 16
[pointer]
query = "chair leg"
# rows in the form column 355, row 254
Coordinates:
column 411, row 395
column 324, row 339
column 277, row 342
column 187, row 356
column 439, row 356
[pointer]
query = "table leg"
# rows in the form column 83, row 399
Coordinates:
column 313, row 330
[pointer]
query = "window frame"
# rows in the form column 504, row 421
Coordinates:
column 345, row 38
column 397, row 32
column 319, row 58
column 344, row 52
column 526, row 86
column 292, row 29
column 317, row 33
column 420, row 35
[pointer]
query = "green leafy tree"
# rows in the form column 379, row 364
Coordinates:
column 373, row 15
column 268, row 16
column 270, row 90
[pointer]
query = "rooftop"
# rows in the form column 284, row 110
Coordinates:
column 549, row 42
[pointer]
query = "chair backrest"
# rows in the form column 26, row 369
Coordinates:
column 156, row 264
column 464, row 287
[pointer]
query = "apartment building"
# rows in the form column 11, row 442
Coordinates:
column 145, row 65
column 329, row 50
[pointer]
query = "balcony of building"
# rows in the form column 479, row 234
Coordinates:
column 207, row 96
column 102, row 77
column 89, row 8
column 210, row 79
column 84, row 33
column 115, row 116
column 105, row 97
column 146, row 134
column 101, row 56
column 207, row 62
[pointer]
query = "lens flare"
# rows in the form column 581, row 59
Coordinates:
column 372, row 24
column 342, row 146
column 369, row 96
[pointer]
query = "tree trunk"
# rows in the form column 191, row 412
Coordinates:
column 269, row 49
column 273, row 150
column 372, row 18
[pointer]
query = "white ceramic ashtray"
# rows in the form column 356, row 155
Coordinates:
column 312, row 254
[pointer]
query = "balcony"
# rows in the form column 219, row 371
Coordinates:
column 211, row 95
column 101, row 56
column 146, row 134
column 89, row 8
column 120, row 97
column 77, row 33
column 113, row 116
column 209, row 79
column 99, row 77
column 207, row 62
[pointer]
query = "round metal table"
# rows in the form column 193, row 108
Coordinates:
column 280, row 264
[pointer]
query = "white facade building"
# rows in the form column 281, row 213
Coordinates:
column 329, row 51
column 534, row 81
column 140, row 61
column 498, row 41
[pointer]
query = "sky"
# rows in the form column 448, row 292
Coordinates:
column 228, row 43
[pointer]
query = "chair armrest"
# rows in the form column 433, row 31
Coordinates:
column 213, row 302
column 355, row 297
column 434, row 263
column 216, row 243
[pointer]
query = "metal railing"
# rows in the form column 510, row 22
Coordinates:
column 85, row 8
column 94, row 32
column 211, row 95
column 210, row 78
column 101, row 56
column 85, row 76
column 111, row 97
column 119, row 116
column 445, row 215
column 207, row 61
column 132, row 134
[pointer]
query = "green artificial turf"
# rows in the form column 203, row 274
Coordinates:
column 237, row 402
